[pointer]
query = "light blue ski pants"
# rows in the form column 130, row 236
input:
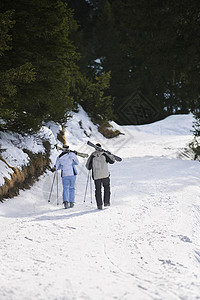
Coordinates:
column 68, row 188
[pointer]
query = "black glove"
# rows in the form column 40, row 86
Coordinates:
column 53, row 169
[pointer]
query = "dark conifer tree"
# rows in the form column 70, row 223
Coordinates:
column 10, row 77
column 92, row 88
column 40, row 37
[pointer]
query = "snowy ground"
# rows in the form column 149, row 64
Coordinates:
column 145, row 246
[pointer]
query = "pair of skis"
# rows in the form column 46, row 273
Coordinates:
column 76, row 152
column 117, row 158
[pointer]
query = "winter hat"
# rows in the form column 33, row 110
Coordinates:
column 99, row 145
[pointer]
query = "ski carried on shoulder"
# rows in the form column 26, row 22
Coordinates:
column 68, row 150
column 79, row 153
column 117, row 158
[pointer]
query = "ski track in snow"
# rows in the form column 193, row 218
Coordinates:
column 146, row 246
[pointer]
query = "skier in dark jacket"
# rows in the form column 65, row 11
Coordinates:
column 98, row 162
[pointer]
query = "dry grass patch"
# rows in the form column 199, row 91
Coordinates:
column 107, row 130
column 61, row 136
column 23, row 179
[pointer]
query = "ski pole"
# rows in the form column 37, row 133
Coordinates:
column 57, row 189
column 86, row 185
column 52, row 186
column 91, row 187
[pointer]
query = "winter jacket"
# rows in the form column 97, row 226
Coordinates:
column 98, row 162
column 66, row 161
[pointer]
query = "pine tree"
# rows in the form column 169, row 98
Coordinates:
column 92, row 95
column 92, row 87
column 40, row 38
column 10, row 78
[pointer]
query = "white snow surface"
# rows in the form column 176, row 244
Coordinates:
column 146, row 245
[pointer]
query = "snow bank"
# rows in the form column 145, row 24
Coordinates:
column 172, row 125
column 12, row 150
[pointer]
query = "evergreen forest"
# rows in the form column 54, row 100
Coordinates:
column 132, row 61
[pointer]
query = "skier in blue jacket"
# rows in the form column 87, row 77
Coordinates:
column 66, row 161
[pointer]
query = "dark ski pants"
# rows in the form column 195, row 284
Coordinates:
column 98, row 194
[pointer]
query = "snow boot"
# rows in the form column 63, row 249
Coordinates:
column 71, row 204
column 66, row 204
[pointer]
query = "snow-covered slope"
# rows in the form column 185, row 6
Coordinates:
column 145, row 246
column 78, row 130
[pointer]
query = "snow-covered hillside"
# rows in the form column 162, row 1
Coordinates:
column 146, row 245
